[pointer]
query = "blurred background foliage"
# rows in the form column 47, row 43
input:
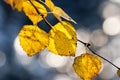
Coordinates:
column 98, row 23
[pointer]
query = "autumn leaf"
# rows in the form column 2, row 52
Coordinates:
column 118, row 73
column 31, row 12
column 10, row 2
column 50, row 4
column 87, row 66
column 58, row 12
column 33, row 39
column 16, row 4
column 62, row 39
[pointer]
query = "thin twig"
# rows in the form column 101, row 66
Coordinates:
column 40, row 1
column 35, row 8
column 103, row 58
column 88, row 46
column 46, row 21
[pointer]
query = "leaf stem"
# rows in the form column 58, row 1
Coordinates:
column 44, row 4
column 46, row 21
column 35, row 8
column 88, row 46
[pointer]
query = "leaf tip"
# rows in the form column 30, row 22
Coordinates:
column 118, row 72
column 73, row 20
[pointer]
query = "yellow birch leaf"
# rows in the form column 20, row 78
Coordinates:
column 19, row 4
column 31, row 12
column 62, row 39
column 10, row 2
column 118, row 73
column 58, row 12
column 16, row 4
column 87, row 66
column 50, row 4
column 33, row 39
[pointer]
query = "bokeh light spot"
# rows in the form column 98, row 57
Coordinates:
column 111, row 25
column 62, row 77
column 56, row 60
column 107, row 72
column 109, row 9
column 2, row 59
column 98, row 38
column 20, row 54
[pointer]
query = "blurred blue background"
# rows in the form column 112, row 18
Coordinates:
column 98, row 23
